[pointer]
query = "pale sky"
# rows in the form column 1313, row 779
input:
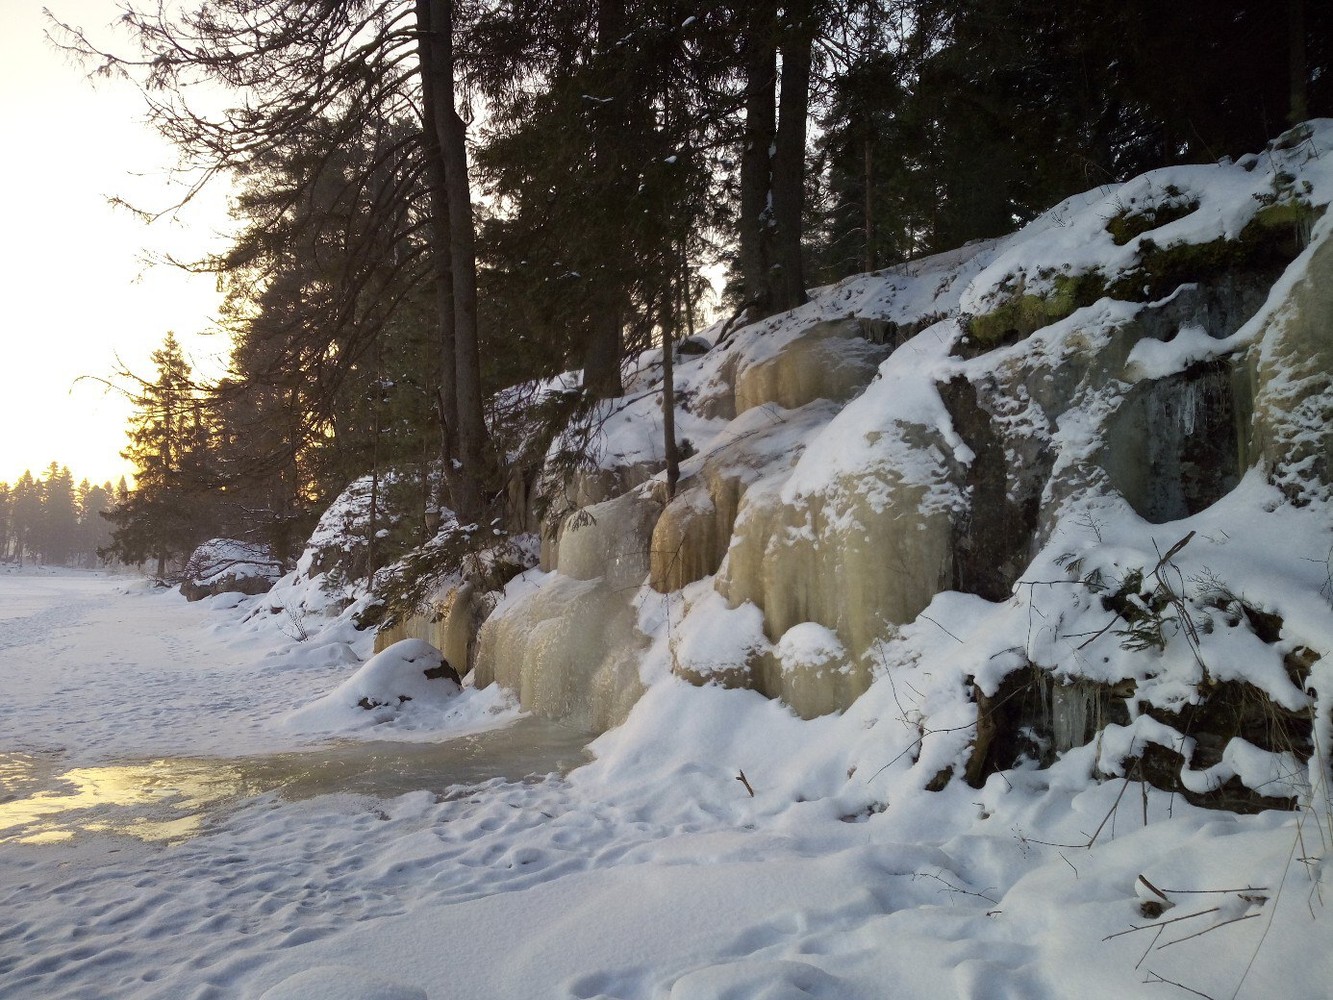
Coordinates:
column 75, row 290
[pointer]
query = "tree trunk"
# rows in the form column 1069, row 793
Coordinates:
column 756, row 208
column 602, row 350
column 789, row 157
column 667, row 322
column 462, row 421
column 446, row 391
column 372, row 538
column 1298, row 70
column 604, row 343
column 869, row 182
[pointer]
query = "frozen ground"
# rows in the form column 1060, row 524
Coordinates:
column 651, row 873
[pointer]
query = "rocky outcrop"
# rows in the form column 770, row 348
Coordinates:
column 842, row 472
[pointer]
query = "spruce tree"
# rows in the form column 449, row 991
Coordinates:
column 167, row 513
column 26, row 515
column 328, row 74
column 6, row 521
column 56, row 530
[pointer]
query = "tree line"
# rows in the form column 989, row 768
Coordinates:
column 438, row 200
column 53, row 521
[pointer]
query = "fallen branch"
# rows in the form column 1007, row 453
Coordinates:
column 1207, row 930
column 1159, row 926
column 1171, row 982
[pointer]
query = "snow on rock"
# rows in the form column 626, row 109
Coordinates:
column 409, row 678
column 1055, row 587
column 226, row 565
column 1109, row 430
column 719, row 644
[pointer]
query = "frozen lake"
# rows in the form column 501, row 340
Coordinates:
column 168, row 798
column 166, row 835
column 94, row 741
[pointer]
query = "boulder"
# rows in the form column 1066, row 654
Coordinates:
column 226, row 565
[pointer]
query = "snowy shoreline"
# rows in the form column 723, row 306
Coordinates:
column 649, row 873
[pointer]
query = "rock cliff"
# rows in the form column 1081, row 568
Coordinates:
column 1113, row 430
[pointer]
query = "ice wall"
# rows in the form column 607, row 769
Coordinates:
column 570, row 651
column 1293, row 376
column 850, row 461
column 829, row 360
column 446, row 623
column 570, row 648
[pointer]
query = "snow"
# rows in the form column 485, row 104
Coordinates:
column 650, row 873
column 1151, row 359
column 811, row 644
column 193, row 803
column 220, row 558
column 392, row 685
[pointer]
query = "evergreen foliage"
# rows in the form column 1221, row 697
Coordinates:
column 621, row 146
column 170, row 510
column 51, row 521
column 951, row 120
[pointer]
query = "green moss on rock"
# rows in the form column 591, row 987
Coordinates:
column 1267, row 244
column 1023, row 313
column 1290, row 219
column 1126, row 225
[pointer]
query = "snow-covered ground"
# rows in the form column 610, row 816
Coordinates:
column 227, row 799
column 650, row 873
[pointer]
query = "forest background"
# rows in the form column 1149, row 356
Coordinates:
column 441, row 207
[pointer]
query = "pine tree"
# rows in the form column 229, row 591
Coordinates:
column 6, row 520
column 322, row 76
column 26, row 515
column 168, row 512
column 55, row 536
column 602, row 165
column 777, row 46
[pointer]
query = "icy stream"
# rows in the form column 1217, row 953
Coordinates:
column 43, row 800
column 128, row 711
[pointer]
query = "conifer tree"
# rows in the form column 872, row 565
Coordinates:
column 55, row 536
column 26, row 514
column 167, row 513
column 325, row 75
column 6, row 520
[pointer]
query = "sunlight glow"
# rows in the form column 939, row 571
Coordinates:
column 72, row 275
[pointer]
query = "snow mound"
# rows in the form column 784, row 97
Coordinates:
column 409, row 676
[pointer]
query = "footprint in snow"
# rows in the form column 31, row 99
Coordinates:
column 340, row 982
